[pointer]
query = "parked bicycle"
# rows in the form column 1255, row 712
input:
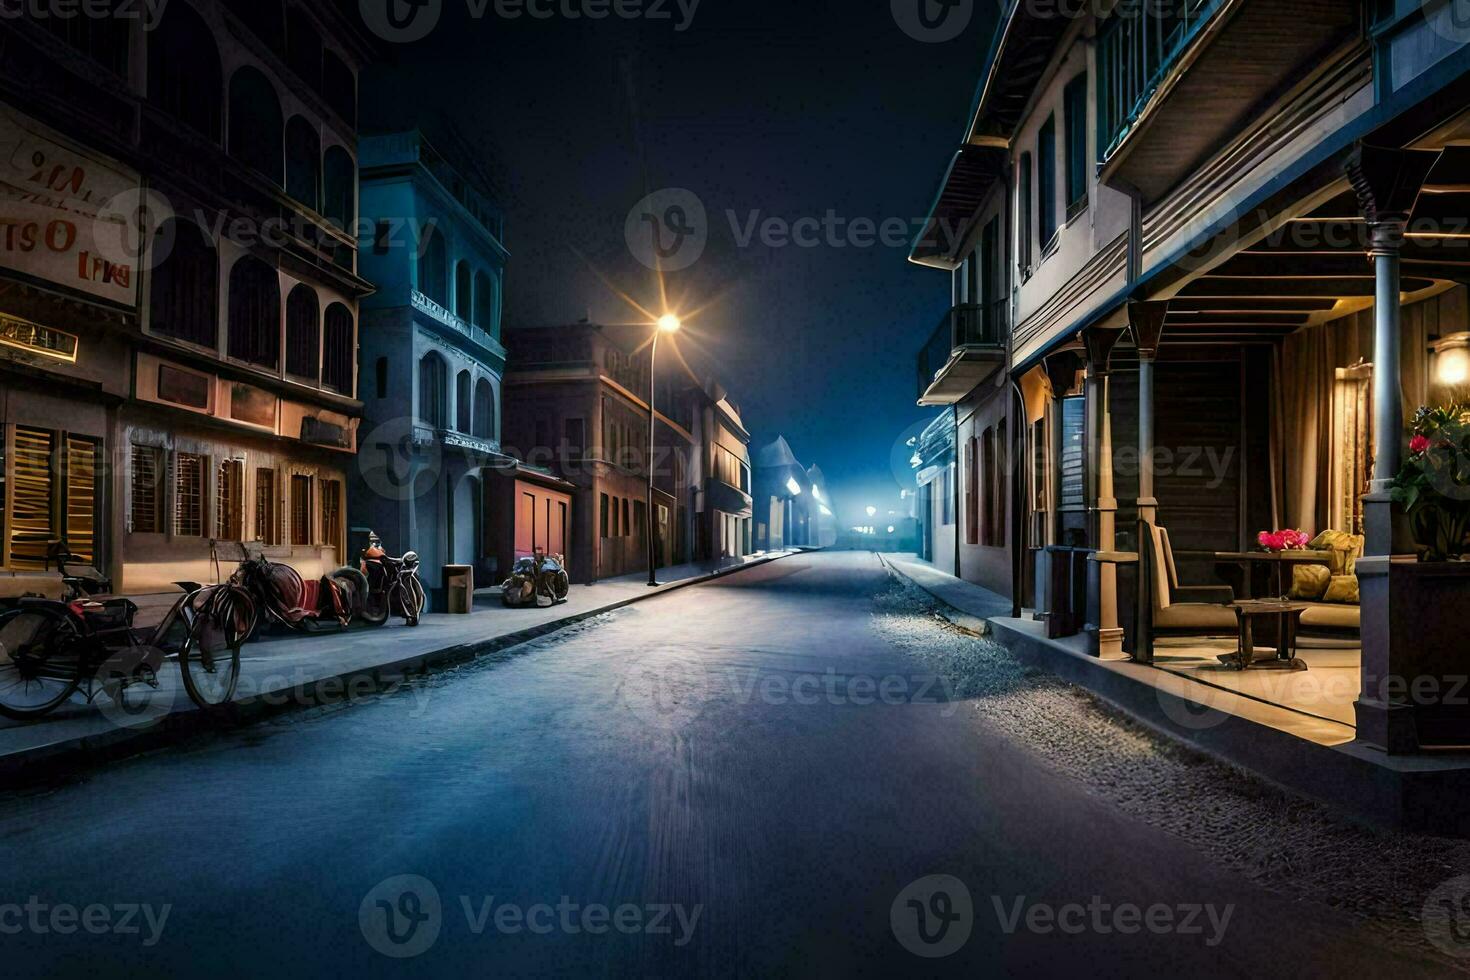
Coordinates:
column 50, row 649
column 283, row 598
column 393, row 586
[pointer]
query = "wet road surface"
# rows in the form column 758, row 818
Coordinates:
column 740, row 777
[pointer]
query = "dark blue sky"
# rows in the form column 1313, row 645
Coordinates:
column 761, row 108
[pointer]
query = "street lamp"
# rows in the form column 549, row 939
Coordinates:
column 670, row 324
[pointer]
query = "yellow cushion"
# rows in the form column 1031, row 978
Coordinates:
column 1309, row 581
column 1342, row 588
column 1346, row 550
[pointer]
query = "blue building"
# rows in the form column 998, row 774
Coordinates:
column 431, row 360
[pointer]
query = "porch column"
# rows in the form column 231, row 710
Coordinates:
column 1061, row 373
column 1146, row 325
column 1104, row 635
column 1388, row 183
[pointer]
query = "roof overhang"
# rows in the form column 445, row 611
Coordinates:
column 971, row 175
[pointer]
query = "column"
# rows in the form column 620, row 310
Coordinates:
column 1104, row 634
column 1388, row 183
column 1146, row 325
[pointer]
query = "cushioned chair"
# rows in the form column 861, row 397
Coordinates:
column 1330, row 591
column 1185, row 610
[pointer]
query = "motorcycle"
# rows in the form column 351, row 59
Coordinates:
column 539, row 580
column 393, row 586
column 283, row 598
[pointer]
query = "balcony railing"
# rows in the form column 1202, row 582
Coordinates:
column 1136, row 50
column 969, row 326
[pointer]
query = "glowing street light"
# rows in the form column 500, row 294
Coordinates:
column 667, row 324
column 872, row 512
column 793, row 486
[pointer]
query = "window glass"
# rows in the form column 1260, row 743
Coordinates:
column 188, row 495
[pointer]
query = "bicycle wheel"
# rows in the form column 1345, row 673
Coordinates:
column 210, row 657
column 41, row 661
column 409, row 597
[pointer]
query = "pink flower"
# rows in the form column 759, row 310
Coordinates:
column 1419, row 445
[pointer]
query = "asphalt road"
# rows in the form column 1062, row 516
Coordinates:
column 739, row 777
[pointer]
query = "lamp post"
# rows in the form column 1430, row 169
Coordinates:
column 668, row 323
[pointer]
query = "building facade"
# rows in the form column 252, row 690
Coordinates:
column 179, row 321
column 1198, row 283
column 721, row 507
column 785, row 508
column 432, row 361
column 577, row 408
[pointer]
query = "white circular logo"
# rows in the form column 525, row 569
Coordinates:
column 396, row 467
column 1446, row 917
column 402, row 916
column 134, row 230
column 1222, row 224
column 933, row 916
column 401, row 21
column 128, row 679
column 933, row 21
column 668, row 230
column 664, row 690
column 1198, row 711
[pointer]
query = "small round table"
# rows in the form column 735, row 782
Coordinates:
column 1282, row 619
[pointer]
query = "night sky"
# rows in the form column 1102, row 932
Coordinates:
column 764, row 108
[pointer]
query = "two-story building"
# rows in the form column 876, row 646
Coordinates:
column 1207, row 257
column 721, row 507
column 432, row 360
column 178, row 323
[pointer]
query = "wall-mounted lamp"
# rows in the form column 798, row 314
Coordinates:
column 793, row 486
column 1452, row 360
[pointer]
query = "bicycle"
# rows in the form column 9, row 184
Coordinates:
column 50, row 649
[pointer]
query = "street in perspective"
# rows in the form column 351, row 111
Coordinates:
column 697, row 488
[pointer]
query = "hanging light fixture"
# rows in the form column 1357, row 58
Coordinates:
column 1452, row 360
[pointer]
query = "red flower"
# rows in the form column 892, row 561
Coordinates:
column 1418, row 445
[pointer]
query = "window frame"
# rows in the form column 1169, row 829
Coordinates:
column 1046, row 156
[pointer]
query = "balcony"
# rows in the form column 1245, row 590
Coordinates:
column 1177, row 79
column 966, row 348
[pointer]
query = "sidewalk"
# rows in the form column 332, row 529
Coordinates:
column 290, row 671
column 969, row 606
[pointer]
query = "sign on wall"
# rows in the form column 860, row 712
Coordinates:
column 36, row 339
column 65, row 213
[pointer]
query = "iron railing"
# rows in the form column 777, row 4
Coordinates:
column 971, row 325
column 1136, row 49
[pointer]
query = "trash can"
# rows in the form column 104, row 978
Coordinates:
column 459, row 587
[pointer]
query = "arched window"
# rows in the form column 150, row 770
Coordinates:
column 303, row 333
column 339, row 87
column 256, row 128
column 464, row 291
column 433, row 391
column 304, row 48
column 484, row 302
column 339, row 184
column 265, row 18
column 382, row 377
column 255, row 313
column 339, row 350
column 184, row 297
column 484, row 409
column 462, row 408
column 184, row 75
column 304, row 163
column 433, row 267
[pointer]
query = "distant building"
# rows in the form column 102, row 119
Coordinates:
column 159, row 405
column 784, row 503
column 825, row 521
column 722, row 507
column 432, row 361
column 578, row 407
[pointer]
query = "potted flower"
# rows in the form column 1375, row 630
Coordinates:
column 1433, row 486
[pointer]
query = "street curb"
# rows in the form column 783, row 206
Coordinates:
column 68, row 755
column 955, row 617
